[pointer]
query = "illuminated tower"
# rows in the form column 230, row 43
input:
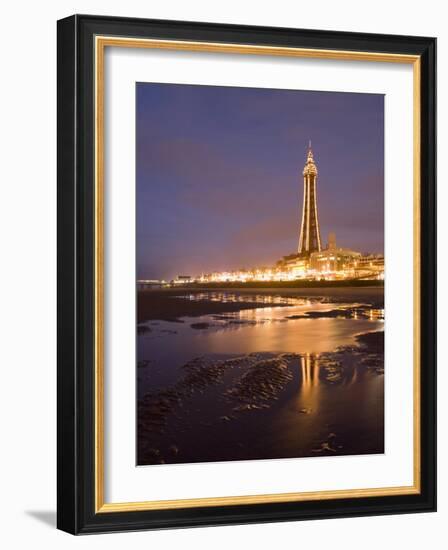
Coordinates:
column 309, row 240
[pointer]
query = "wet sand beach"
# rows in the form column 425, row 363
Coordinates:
column 229, row 374
column 170, row 304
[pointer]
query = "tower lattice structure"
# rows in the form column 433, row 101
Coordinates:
column 309, row 240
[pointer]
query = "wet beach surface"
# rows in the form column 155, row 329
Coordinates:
column 154, row 304
column 228, row 375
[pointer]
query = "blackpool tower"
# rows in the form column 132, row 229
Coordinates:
column 309, row 240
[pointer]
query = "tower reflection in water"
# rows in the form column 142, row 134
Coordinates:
column 309, row 384
column 316, row 372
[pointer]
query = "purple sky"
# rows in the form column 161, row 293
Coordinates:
column 219, row 174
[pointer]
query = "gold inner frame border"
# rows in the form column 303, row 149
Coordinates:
column 100, row 44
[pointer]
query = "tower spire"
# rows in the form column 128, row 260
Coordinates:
column 310, row 153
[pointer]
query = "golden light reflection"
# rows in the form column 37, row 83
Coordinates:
column 309, row 385
column 354, row 377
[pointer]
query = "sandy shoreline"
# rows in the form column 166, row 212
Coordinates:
column 219, row 383
column 218, row 405
column 172, row 304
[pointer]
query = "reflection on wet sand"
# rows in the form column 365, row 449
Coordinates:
column 269, row 382
column 308, row 394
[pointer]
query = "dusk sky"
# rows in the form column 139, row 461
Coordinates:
column 219, row 174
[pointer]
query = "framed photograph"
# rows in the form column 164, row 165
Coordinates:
column 246, row 271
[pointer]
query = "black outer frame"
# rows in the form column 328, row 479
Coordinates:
column 75, row 404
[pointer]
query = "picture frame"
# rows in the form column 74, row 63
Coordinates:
column 82, row 193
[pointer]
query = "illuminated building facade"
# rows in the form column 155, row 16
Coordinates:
column 309, row 239
column 334, row 260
